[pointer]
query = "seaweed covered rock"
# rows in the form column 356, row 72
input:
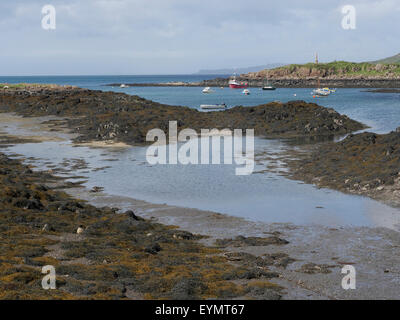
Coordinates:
column 110, row 116
column 365, row 163
column 116, row 256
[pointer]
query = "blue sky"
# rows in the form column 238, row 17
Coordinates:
column 183, row 36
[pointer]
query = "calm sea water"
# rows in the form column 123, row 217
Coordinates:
column 262, row 196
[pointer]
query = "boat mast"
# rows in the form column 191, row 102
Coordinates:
column 316, row 62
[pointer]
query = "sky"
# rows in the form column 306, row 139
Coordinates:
column 99, row 37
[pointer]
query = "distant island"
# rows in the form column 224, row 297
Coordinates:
column 239, row 70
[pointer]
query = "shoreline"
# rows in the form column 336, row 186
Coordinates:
column 308, row 266
column 368, row 165
column 101, row 128
column 105, row 116
column 312, row 247
column 277, row 82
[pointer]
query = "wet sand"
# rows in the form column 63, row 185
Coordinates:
column 372, row 251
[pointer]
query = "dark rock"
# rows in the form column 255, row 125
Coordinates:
column 312, row 268
column 241, row 241
column 28, row 204
column 153, row 249
column 132, row 215
column 96, row 189
column 188, row 289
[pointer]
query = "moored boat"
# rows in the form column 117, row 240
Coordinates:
column 235, row 84
column 321, row 92
column 221, row 106
column 207, row 90
column 269, row 87
column 246, row 92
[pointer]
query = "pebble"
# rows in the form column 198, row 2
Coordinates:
column 80, row 230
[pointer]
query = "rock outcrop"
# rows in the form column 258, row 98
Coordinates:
column 364, row 163
column 104, row 116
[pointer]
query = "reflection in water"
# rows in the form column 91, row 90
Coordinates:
column 264, row 196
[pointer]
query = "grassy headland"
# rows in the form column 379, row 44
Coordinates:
column 332, row 70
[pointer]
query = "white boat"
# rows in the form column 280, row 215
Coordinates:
column 331, row 90
column 207, row 90
column 320, row 92
column 324, row 92
column 268, row 87
column 123, row 86
column 246, row 92
column 213, row 106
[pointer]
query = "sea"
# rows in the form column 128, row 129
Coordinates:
column 267, row 195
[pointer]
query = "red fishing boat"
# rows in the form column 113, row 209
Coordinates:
column 234, row 84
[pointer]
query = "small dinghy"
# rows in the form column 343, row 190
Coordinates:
column 269, row 88
column 213, row 106
column 207, row 90
column 246, row 92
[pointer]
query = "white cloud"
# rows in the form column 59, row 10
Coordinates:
column 164, row 36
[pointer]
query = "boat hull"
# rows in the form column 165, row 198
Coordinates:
column 237, row 86
column 213, row 106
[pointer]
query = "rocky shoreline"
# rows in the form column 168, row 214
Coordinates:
column 124, row 255
column 158, row 84
column 99, row 253
column 118, row 117
column 308, row 82
column 278, row 82
column 365, row 163
column 384, row 91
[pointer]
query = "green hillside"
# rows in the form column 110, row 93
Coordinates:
column 336, row 69
column 391, row 60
